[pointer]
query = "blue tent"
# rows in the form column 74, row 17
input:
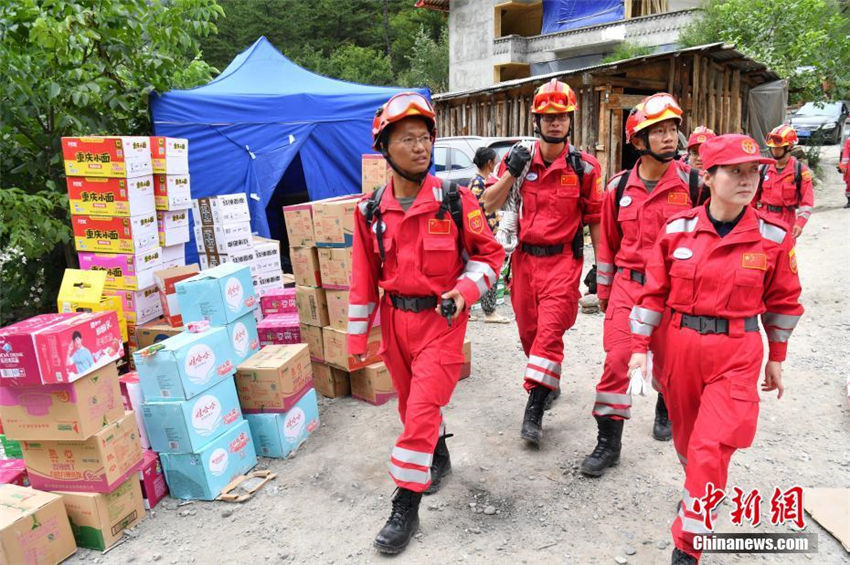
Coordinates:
column 263, row 113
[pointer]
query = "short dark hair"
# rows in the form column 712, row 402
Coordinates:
column 713, row 169
column 483, row 156
column 76, row 335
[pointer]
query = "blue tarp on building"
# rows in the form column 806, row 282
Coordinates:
column 563, row 15
column 248, row 124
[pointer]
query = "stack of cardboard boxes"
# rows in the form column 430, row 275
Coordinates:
column 172, row 194
column 60, row 397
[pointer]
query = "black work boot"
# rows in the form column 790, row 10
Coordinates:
column 607, row 451
column 441, row 465
column 532, row 422
column 661, row 429
column 403, row 522
column 679, row 557
column 848, row 203
column 553, row 395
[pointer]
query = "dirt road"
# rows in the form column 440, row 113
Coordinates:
column 329, row 501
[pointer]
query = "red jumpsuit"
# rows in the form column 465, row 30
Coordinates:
column 625, row 243
column 424, row 256
column 710, row 379
column 779, row 190
column 845, row 166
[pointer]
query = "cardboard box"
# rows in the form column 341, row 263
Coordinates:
column 155, row 331
column 274, row 379
column 99, row 520
column 133, row 399
column 278, row 435
column 124, row 271
column 223, row 239
column 152, row 479
column 373, row 384
column 375, row 172
column 37, row 350
column 83, row 291
column 280, row 329
column 140, row 306
column 466, row 370
column 172, row 227
column 333, row 221
column 203, row 475
column 11, row 448
column 172, row 192
column 337, row 309
column 279, row 301
column 335, row 267
column 244, row 258
column 169, row 155
column 34, row 527
column 98, row 464
column 221, row 295
column 305, row 266
column 312, row 305
column 186, row 426
column 107, row 156
column 173, row 256
column 111, row 197
column 298, row 219
column 267, row 255
column 165, row 281
column 288, row 280
column 312, row 336
column 14, row 472
column 268, row 282
column 185, row 365
column 336, row 349
column 65, row 411
column 224, row 209
column 330, row 381
column 114, row 234
column 244, row 338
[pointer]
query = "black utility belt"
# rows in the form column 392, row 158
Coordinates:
column 636, row 276
column 778, row 209
column 543, row 250
column 712, row 325
column 413, row 303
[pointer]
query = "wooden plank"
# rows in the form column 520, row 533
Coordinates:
column 515, row 102
column 706, row 78
column 736, row 101
column 695, row 86
column 615, row 155
column 641, row 83
column 503, row 123
column 726, row 102
column 671, row 75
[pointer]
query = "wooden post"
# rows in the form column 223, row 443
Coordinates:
column 695, row 88
column 671, row 74
column 735, row 125
column 503, row 129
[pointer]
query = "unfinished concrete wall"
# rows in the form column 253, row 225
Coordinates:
column 470, row 44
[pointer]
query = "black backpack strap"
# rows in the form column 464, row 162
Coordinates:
column 798, row 178
column 621, row 188
column 575, row 161
column 372, row 213
column 762, row 172
column 694, row 188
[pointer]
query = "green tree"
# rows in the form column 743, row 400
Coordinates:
column 358, row 64
column 805, row 41
column 627, row 50
column 76, row 68
column 429, row 62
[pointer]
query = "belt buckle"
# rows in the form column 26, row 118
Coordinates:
column 707, row 325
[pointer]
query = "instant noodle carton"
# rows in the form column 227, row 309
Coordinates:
column 173, row 256
column 172, row 192
column 279, row 329
column 336, row 349
column 330, row 381
column 298, row 219
column 124, row 271
column 169, row 155
column 185, row 365
column 268, row 282
column 152, row 479
column 223, row 239
column 373, row 384
column 83, row 291
column 115, row 234
column 166, row 280
column 172, row 226
column 106, row 156
column 219, row 295
column 34, row 527
column 111, row 196
column 279, row 301
column 267, row 255
column 305, row 266
column 278, row 435
column 221, row 210
column 333, row 221
column 139, row 306
column 274, row 379
column 204, row 474
column 335, row 267
column 312, row 336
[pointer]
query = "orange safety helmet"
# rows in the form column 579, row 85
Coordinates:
column 554, row 97
column 400, row 106
column 652, row 110
column 781, row 136
column 700, row 135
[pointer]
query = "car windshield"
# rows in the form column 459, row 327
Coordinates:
column 824, row 109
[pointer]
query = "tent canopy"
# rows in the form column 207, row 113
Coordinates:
column 247, row 125
column 564, row 15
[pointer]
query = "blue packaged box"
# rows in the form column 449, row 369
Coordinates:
column 221, row 295
column 186, row 426
column 277, row 435
column 244, row 338
column 185, row 365
column 204, row 474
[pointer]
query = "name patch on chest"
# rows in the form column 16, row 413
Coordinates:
column 439, row 227
column 569, row 180
column 678, row 198
column 754, row 261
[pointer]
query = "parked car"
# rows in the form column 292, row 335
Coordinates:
column 822, row 119
column 453, row 155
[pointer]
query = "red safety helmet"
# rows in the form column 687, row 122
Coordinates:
column 400, row 106
column 730, row 149
column 554, row 97
column 701, row 134
column 781, row 136
column 652, row 110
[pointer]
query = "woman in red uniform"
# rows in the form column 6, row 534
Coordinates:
column 717, row 267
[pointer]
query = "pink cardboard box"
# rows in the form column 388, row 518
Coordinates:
column 124, row 270
column 58, row 348
column 13, row 472
column 280, row 329
column 279, row 301
column 152, row 478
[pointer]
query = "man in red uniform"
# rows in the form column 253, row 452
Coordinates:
column 717, row 268
column 844, row 168
column 428, row 250
column 700, row 135
column 561, row 192
column 785, row 192
column 637, row 204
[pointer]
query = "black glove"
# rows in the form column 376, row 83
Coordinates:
column 590, row 280
column 517, row 159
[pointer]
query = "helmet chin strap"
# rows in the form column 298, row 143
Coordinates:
column 660, row 157
column 786, row 149
column 538, row 131
column 418, row 178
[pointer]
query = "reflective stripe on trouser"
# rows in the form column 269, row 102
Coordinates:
column 424, row 357
column 711, row 390
column 611, row 397
column 544, row 295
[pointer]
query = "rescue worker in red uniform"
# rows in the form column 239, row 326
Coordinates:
column 844, row 169
column 700, row 135
column 407, row 241
column 785, row 192
column 717, row 268
column 637, row 205
column 557, row 202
